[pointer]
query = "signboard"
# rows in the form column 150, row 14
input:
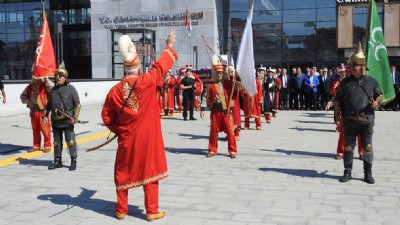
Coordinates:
column 204, row 75
column 351, row 1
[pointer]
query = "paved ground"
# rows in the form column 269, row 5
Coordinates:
column 284, row 174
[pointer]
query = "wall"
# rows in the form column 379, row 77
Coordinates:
column 108, row 15
column 89, row 92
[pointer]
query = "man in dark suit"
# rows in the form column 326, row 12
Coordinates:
column 323, row 87
column 396, row 83
column 286, row 86
column 298, row 89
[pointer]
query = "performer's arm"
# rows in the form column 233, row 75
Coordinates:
column 77, row 105
column 167, row 58
column 46, row 111
column 49, row 85
column 108, row 114
column 25, row 98
column 338, row 105
column 184, row 87
column 377, row 96
column 330, row 103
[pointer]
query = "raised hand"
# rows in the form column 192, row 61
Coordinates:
column 170, row 39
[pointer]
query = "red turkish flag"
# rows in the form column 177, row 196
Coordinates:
column 187, row 18
column 45, row 61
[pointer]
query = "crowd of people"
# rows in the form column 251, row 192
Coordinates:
column 140, row 158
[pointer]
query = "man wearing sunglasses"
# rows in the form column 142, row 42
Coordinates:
column 64, row 105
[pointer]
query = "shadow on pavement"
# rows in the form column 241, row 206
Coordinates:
column 192, row 151
column 22, row 127
column 7, row 149
column 292, row 152
column 33, row 162
column 318, row 122
column 192, row 136
column 312, row 129
column 317, row 114
column 85, row 201
column 301, row 173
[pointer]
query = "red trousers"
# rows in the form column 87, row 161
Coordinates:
column 39, row 127
column 220, row 122
column 150, row 199
column 340, row 146
column 256, row 120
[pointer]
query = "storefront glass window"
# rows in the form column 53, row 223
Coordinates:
column 286, row 33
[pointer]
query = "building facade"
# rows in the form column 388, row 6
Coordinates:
column 287, row 33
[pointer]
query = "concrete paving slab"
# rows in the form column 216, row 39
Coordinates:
column 284, row 174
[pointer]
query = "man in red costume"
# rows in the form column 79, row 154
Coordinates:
column 131, row 112
column 343, row 71
column 221, row 117
column 232, row 86
column 36, row 96
column 252, row 105
column 179, row 97
column 168, row 93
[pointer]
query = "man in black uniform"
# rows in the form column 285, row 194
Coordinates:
column 64, row 106
column 357, row 97
column 188, row 87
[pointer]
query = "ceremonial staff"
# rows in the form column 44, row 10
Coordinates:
column 208, row 47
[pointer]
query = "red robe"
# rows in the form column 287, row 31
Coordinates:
column 199, row 88
column 159, row 90
column 38, row 95
column 140, row 156
column 252, row 105
column 235, row 104
column 168, row 95
column 277, row 94
column 179, row 94
column 220, row 122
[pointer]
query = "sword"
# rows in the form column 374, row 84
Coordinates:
column 69, row 117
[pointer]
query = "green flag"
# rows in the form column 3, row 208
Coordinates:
column 377, row 59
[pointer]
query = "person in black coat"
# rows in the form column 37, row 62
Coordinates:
column 323, row 87
column 284, row 92
column 396, row 84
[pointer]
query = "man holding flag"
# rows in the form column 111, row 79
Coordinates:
column 359, row 95
column 356, row 99
column 36, row 94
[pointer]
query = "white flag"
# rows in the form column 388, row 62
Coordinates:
column 245, row 61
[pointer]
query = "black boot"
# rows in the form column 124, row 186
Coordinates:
column 346, row 176
column 368, row 173
column 57, row 163
column 73, row 165
column 348, row 165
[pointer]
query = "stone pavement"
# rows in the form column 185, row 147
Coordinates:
column 284, row 174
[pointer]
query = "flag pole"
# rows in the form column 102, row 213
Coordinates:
column 368, row 25
column 234, row 74
column 206, row 45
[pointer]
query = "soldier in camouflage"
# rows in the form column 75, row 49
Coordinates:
column 357, row 98
column 64, row 106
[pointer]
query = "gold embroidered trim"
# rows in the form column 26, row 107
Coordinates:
column 221, row 96
column 170, row 54
column 143, row 182
column 132, row 101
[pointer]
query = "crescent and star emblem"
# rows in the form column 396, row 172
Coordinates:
column 373, row 42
